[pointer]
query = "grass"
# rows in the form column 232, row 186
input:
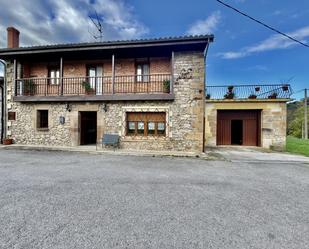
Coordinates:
column 297, row 146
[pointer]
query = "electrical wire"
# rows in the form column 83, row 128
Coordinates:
column 265, row 25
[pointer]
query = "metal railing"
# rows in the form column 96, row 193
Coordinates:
column 70, row 86
column 275, row 91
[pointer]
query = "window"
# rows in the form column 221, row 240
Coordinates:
column 11, row 116
column 142, row 72
column 54, row 76
column 42, row 119
column 94, row 75
column 146, row 123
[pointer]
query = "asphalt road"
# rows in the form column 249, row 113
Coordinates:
column 70, row 200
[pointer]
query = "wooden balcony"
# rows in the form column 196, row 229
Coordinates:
column 106, row 88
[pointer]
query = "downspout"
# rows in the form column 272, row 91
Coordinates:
column 3, row 105
column 204, row 95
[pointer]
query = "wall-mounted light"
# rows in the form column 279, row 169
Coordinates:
column 68, row 107
column 62, row 120
column 104, row 107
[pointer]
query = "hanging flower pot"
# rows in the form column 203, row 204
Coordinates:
column 257, row 89
column 273, row 96
column 229, row 95
column 285, row 88
column 230, row 88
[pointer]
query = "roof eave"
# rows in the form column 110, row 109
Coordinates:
column 107, row 45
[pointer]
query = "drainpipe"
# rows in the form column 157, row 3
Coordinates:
column 204, row 95
column 3, row 105
column 2, row 115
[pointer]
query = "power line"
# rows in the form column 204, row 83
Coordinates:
column 265, row 25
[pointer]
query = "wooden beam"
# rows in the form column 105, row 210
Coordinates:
column 102, row 47
column 113, row 74
column 172, row 71
column 14, row 76
column 89, row 98
column 61, row 76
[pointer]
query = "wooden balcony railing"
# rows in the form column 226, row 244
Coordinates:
column 106, row 85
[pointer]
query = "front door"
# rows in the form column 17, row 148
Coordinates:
column 88, row 128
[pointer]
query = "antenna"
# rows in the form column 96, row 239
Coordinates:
column 98, row 26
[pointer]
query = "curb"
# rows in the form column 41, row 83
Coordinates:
column 204, row 156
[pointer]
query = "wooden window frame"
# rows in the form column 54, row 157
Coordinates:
column 146, row 117
column 39, row 124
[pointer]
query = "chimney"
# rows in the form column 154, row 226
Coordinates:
column 13, row 37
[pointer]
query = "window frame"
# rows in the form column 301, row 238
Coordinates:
column 145, row 118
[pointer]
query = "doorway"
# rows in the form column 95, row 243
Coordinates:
column 88, row 128
column 239, row 127
column 236, row 132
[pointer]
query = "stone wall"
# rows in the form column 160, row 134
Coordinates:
column 184, row 114
column 273, row 120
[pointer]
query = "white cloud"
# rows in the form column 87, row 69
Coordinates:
column 274, row 42
column 48, row 22
column 205, row 26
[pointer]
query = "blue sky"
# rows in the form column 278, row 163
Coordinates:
column 243, row 52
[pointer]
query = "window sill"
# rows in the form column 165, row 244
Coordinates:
column 143, row 138
column 42, row 129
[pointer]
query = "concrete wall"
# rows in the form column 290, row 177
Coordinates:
column 273, row 120
column 184, row 115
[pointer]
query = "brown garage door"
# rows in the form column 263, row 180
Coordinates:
column 238, row 127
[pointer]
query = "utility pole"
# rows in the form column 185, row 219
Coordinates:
column 306, row 113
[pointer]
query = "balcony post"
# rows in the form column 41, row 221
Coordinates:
column 113, row 74
column 61, row 76
column 14, row 76
column 172, row 71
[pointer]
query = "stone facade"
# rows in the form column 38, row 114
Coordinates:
column 273, row 120
column 184, row 115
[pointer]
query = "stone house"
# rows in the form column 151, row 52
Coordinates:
column 150, row 92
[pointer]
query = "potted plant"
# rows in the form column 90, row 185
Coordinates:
column 7, row 141
column 273, row 95
column 252, row 96
column 257, row 88
column 166, row 86
column 29, row 87
column 285, row 87
column 88, row 89
column 208, row 96
column 230, row 88
column 229, row 95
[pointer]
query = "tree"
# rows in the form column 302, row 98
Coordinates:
column 296, row 118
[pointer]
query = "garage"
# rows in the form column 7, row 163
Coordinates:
column 239, row 127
